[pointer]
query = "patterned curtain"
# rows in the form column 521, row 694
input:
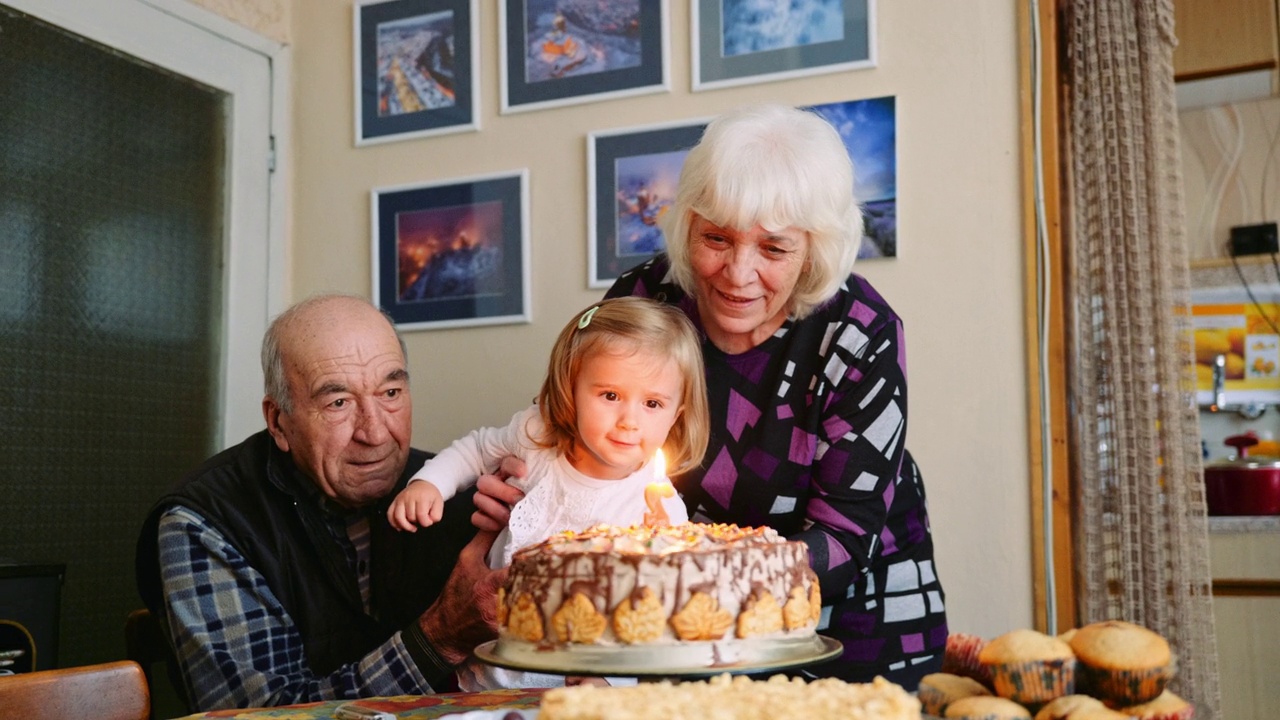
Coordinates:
column 1141, row 526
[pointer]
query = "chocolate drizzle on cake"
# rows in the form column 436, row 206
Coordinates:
column 733, row 567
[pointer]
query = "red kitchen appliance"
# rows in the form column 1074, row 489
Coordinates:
column 1245, row 485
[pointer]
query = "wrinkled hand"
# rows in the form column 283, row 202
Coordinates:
column 494, row 496
column 466, row 613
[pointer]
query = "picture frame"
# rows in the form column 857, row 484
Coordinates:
column 732, row 44
column 631, row 181
column 868, row 128
column 551, row 54
column 622, row 222
column 416, row 68
column 453, row 253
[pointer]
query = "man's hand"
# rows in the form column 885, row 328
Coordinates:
column 495, row 496
column 466, row 613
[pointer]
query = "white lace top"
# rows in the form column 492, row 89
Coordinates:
column 557, row 497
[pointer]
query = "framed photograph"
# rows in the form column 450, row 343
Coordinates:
column 562, row 52
column 736, row 42
column 631, row 182
column 453, row 253
column 869, row 130
column 416, row 66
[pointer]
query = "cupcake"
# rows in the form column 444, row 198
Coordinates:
column 1101, row 712
column 1122, row 663
column 1063, row 707
column 986, row 707
column 1166, row 706
column 961, row 657
column 1030, row 667
column 938, row 690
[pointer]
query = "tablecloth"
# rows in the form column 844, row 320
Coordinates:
column 404, row 707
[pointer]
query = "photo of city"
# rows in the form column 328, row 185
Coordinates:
column 415, row 64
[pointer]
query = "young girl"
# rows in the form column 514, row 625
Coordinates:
column 625, row 379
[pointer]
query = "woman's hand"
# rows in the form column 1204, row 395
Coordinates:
column 494, row 497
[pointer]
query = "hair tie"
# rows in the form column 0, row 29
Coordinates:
column 585, row 320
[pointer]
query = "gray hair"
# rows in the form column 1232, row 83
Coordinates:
column 274, row 380
column 775, row 166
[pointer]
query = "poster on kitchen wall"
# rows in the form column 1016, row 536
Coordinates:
column 1237, row 339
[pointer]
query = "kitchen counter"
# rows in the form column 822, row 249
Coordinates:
column 1225, row 524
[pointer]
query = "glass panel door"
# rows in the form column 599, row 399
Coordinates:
column 134, row 277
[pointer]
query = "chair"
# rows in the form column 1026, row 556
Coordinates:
column 110, row 691
column 146, row 645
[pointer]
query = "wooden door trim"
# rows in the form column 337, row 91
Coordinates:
column 1053, row 369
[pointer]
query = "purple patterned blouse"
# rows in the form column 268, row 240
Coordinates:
column 807, row 437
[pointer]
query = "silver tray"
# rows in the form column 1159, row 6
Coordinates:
column 684, row 660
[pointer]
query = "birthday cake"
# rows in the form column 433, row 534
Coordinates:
column 706, row 588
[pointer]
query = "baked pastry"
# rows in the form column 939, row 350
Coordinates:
column 987, row 708
column 1166, row 706
column 1030, row 667
column 1122, row 663
column 1101, row 712
column 740, row 697
column 938, row 690
column 1063, row 707
column 675, row 586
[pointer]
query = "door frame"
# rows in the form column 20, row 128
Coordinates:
column 255, row 71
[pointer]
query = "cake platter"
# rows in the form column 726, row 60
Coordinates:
column 689, row 660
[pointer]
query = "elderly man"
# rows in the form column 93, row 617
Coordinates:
column 272, row 567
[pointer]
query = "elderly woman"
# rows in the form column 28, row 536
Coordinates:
column 806, row 378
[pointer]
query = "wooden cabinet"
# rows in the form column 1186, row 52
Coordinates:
column 1246, row 612
column 1221, row 37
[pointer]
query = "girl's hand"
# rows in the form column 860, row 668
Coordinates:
column 418, row 505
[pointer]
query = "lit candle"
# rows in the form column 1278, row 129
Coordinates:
column 655, row 491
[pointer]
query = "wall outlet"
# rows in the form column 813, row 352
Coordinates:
column 1254, row 240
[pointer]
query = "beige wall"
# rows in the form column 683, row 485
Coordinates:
column 957, row 281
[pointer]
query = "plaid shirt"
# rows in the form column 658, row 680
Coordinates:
column 236, row 645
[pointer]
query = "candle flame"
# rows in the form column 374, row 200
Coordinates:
column 655, row 491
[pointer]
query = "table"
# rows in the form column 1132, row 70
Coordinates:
column 404, row 707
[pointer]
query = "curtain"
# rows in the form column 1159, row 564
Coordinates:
column 1140, row 524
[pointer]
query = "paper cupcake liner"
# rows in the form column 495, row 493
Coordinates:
column 1036, row 681
column 1124, row 687
column 961, row 658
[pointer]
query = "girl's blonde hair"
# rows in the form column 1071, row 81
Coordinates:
column 628, row 325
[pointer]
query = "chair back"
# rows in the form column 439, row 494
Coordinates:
column 110, row 691
column 145, row 644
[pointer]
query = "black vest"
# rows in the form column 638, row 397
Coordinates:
column 255, row 496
